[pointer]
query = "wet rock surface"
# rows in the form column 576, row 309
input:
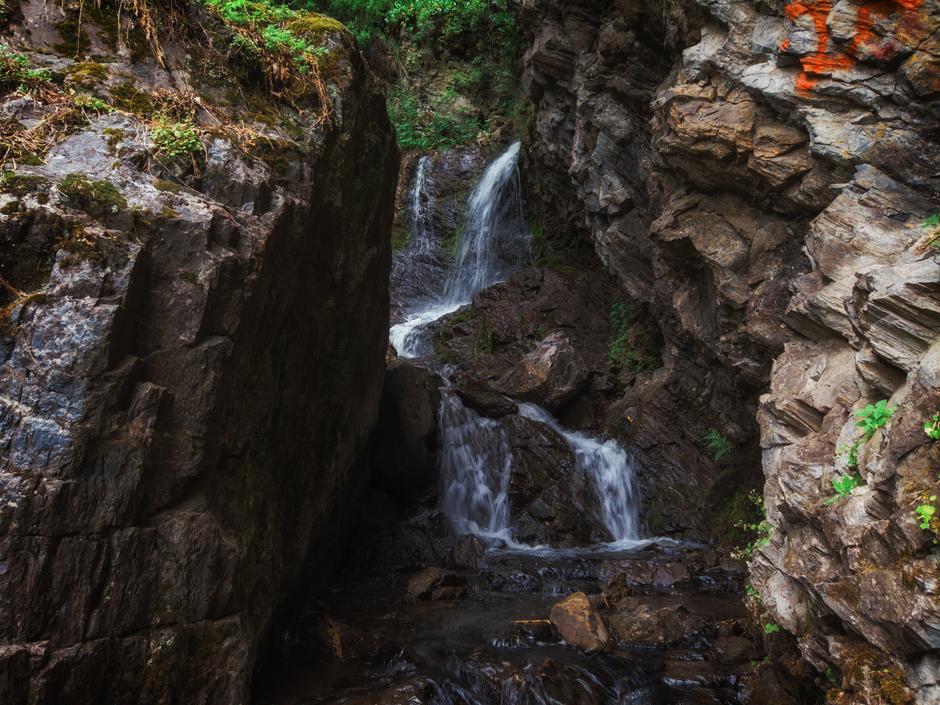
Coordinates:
column 190, row 375
column 499, row 641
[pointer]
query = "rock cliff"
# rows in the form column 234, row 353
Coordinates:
column 762, row 176
column 193, row 343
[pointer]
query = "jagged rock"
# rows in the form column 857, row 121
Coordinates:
column 758, row 176
column 579, row 624
column 404, row 458
column 550, row 375
column 634, row 623
column 193, row 375
column 482, row 398
column 468, row 552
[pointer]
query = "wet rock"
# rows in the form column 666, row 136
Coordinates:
column 435, row 584
column 468, row 552
column 579, row 624
column 639, row 624
column 404, row 459
column 550, row 376
column 482, row 398
column 553, row 501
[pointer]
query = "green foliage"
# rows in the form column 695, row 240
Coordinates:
column 444, row 21
column 97, row 198
column 771, row 628
column 844, row 486
column 485, row 340
column 932, row 221
column 423, row 128
column 760, row 531
column 16, row 74
column 752, row 592
column 873, row 417
column 926, row 513
column 90, row 102
column 621, row 354
column 718, row 445
column 932, row 427
column 175, row 139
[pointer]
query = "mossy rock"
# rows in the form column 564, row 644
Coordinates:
column 130, row 99
column 18, row 184
column 85, row 74
column 97, row 198
column 312, row 26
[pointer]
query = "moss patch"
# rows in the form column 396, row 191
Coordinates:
column 97, row 198
column 18, row 184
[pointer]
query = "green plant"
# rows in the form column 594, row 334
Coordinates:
column 175, row 139
column 90, row 102
column 873, row 417
column 485, row 340
column 752, row 592
column 830, row 674
column 760, row 530
column 718, row 445
column 932, row 221
column 926, row 513
column 771, row 628
column 621, row 354
column 16, row 73
column 932, row 427
column 843, row 487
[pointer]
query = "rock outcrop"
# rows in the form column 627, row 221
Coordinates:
column 192, row 350
column 763, row 176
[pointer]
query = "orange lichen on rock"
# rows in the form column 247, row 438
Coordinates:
column 822, row 62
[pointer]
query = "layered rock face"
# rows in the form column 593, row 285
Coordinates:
column 758, row 174
column 190, row 366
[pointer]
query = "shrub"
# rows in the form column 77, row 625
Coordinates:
column 175, row 139
column 16, row 74
column 843, row 487
column 873, row 417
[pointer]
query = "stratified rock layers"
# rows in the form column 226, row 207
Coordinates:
column 759, row 173
column 183, row 408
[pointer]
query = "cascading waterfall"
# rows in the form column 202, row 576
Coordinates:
column 475, row 461
column 495, row 242
column 611, row 470
column 475, row 457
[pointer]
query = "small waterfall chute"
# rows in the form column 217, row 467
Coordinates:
column 610, row 468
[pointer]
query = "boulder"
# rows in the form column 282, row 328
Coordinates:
column 634, row 623
column 579, row 624
column 435, row 583
column 550, row 375
column 468, row 552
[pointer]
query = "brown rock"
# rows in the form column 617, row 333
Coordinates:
column 435, row 584
column 579, row 624
column 550, row 375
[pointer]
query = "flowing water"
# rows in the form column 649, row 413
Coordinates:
column 493, row 646
column 494, row 242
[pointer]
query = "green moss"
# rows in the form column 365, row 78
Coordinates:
column 115, row 136
column 166, row 185
column 18, row 184
column 97, row 198
column 11, row 208
column 313, row 26
column 86, row 73
column 485, row 340
column 128, row 98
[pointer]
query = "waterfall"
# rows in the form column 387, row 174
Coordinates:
column 475, row 461
column 421, row 202
column 495, row 238
column 495, row 242
column 611, row 470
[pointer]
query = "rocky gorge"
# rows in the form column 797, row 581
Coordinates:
column 657, row 421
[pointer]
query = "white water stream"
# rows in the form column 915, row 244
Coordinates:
column 475, row 457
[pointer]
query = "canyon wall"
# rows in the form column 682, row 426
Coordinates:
column 191, row 357
column 758, row 176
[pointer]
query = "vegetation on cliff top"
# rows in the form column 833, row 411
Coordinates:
column 452, row 79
